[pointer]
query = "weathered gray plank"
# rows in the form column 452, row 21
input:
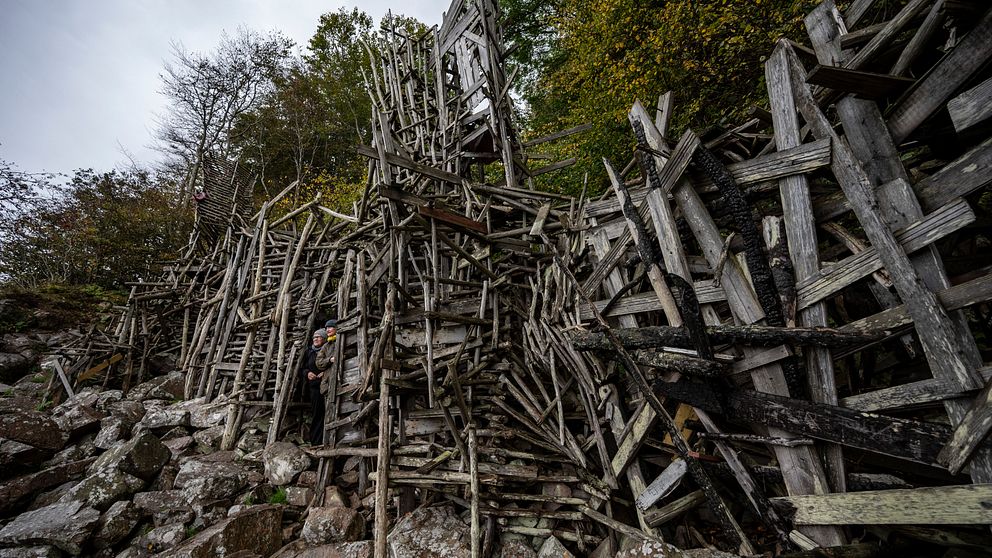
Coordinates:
column 971, row 107
column 943, row 505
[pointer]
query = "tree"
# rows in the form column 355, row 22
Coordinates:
column 208, row 93
column 601, row 55
column 103, row 229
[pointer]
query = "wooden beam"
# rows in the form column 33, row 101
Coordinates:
column 933, row 90
column 942, row 505
column 867, row 85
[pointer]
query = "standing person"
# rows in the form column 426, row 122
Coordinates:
column 312, row 375
column 325, row 357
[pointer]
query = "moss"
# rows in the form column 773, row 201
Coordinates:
column 279, row 497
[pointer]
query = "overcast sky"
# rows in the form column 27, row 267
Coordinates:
column 79, row 79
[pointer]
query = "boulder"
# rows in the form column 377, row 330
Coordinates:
column 112, row 430
column 17, row 458
column 14, row 491
column 203, row 415
column 331, row 525
column 131, row 412
column 298, row 496
column 358, row 549
column 14, row 366
column 164, row 506
column 46, row 551
column 516, row 548
column 143, row 457
column 209, row 438
column 103, row 488
column 106, row 399
column 84, row 448
column 167, row 387
column 32, row 428
column 257, row 529
column 424, row 532
column 203, row 481
column 50, row 497
column 651, row 549
column 334, row 497
column 163, row 418
column 116, row 523
column 66, row 525
column 162, row 538
column 77, row 414
column 178, row 446
column 553, row 548
column 283, row 461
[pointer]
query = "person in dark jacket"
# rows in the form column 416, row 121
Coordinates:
column 311, row 375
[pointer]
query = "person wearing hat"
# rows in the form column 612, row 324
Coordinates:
column 311, row 374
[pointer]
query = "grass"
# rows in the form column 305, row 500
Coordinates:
column 279, row 497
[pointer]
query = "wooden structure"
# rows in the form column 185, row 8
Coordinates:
column 767, row 319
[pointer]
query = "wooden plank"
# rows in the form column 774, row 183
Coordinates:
column 660, row 487
column 908, row 395
column 920, row 39
column 919, row 442
column 856, row 11
column 969, row 433
column 800, row 231
column 966, row 174
column 410, row 164
column 676, row 508
column 938, row 342
column 953, row 298
column 941, row 505
column 971, row 107
column 868, row 85
column 453, row 219
column 887, row 34
column 832, row 279
column 96, row 369
column 706, row 293
column 804, row 473
column 933, row 90
column 643, row 425
column 558, row 135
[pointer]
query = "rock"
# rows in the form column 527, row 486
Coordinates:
column 358, row 549
column 298, row 496
column 164, row 418
column 46, row 551
column 707, row 553
column 14, row 366
column 103, row 488
column 14, row 491
column 162, row 538
column 209, row 438
column 65, row 525
column 17, row 458
column 143, row 457
column 330, row 525
column 283, row 461
column 203, row 415
column 334, row 497
column 150, row 503
column 131, row 412
column 429, row 532
column 257, row 529
column 179, row 445
column 650, row 549
column 515, row 548
column 307, row 478
column 116, row 523
column 105, row 400
column 165, row 479
column 553, row 548
column 250, row 442
column 202, row 481
column 84, row 448
column 32, row 428
column 167, row 387
column 112, row 430
column 54, row 495
column 77, row 415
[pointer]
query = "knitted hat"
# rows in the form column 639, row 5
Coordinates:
column 331, row 323
column 322, row 333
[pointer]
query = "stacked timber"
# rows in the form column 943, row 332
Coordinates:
column 767, row 337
